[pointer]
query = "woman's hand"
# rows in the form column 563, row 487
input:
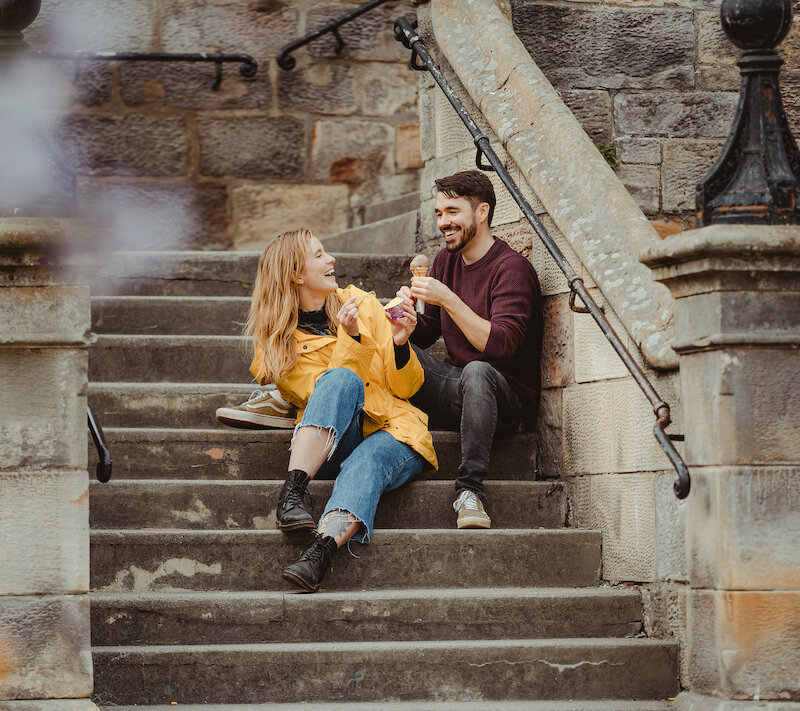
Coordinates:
column 348, row 317
column 404, row 326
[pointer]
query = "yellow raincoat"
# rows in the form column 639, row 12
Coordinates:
column 386, row 389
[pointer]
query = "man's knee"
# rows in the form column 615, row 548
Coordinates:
column 478, row 373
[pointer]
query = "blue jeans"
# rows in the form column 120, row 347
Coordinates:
column 363, row 468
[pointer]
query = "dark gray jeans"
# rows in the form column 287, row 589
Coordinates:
column 475, row 400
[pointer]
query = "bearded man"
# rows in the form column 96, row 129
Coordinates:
column 483, row 298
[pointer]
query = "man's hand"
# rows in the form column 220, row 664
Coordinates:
column 431, row 291
column 348, row 317
column 404, row 326
column 404, row 293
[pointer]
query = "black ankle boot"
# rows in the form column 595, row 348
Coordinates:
column 310, row 568
column 293, row 512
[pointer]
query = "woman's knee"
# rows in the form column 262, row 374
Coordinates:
column 339, row 379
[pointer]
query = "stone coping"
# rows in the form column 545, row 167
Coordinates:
column 581, row 193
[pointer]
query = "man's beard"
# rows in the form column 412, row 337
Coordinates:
column 467, row 234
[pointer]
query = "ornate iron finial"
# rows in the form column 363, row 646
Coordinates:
column 755, row 179
column 34, row 182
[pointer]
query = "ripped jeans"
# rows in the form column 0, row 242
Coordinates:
column 363, row 468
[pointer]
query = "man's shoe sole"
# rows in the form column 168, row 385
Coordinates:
column 299, row 580
column 474, row 523
column 252, row 420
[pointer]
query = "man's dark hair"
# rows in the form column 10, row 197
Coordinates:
column 470, row 184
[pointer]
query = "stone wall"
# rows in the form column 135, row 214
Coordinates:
column 656, row 80
column 174, row 164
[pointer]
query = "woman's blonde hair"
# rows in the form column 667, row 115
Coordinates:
column 275, row 303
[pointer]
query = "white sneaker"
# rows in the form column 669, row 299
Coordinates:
column 470, row 511
column 262, row 410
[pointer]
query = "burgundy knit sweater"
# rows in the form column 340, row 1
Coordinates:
column 501, row 287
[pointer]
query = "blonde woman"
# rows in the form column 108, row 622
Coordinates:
column 348, row 368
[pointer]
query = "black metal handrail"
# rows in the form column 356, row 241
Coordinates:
column 103, row 469
column 248, row 69
column 287, row 62
column 404, row 32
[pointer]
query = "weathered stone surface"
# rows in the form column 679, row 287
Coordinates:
column 519, row 236
column 263, row 211
column 695, row 115
column 51, row 316
column 350, row 151
column 43, row 398
column 385, row 90
column 558, row 345
column 44, row 522
column 392, row 235
column 719, row 77
column 251, row 147
column 168, row 215
column 94, row 26
column 590, row 47
column 49, row 705
column 89, row 82
column 593, row 111
column 595, row 359
column 318, row 89
column 258, row 28
column 427, row 119
column 551, row 278
column 671, row 513
column 549, row 446
column 644, row 184
column 124, row 145
column 713, row 47
column 631, row 149
column 687, row 701
column 407, row 147
column 189, row 86
column 790, row 85
column 685, row 164
column 744, row 644
column 44, row 647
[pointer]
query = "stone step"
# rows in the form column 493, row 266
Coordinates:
column 399, row 615
column 185, row 273
column 590, row 705
column 390, row 235
column 376, row 671
column 154, row 453
column 237, row 505
column 193, row 359
column 388, row 208
column 128, row 560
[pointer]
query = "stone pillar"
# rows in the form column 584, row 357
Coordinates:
column 737, row 326
column 45, row 655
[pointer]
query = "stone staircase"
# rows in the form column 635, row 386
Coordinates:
column 188, row 605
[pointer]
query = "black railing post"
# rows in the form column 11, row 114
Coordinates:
column 755, row 179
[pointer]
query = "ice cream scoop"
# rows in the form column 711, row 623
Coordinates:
column 419, row 268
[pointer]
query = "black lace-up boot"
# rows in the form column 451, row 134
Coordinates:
column 295, row 506
column 309, row 569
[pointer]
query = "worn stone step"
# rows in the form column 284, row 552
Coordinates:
column 155, row 453
column 390, row 235
column 589, row 705
column 376, row 671
column 236, row 505
column 201, row 273
column 399, row 615
column 127, row 560
column 153, row 359
column 388, row 208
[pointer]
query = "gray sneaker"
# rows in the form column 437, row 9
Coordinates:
column 470, row 511
column 263, row 410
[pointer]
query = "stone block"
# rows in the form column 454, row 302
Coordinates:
column 551, row 278
column 368, row 37
column 519, row 236
column 427, row 120
column 671, row 558
column 686, row 701
column 593, row 111
column 190, row 86
column 168, row 215
column 44, row 531
column 790, row 85
column 685, row 164
column 609, row 47
column 452, row 135
column 263, row 211
column 549, row 447
column 44, row 647
column 644, row 184
column 251, row 147
column 45, row 316
column 386, row 90
column 351, row 151
column 318, row 89
column 695, row 115
column 407, row 147
column 526, row 190
column 95, row 26
column 43, row 401
column 667, row 228
column 258, row 28
column 123, row 145
column 631, row 149
column 744, row 644
column 89, row 82
column 595, row 359
column 587, row 426
column 49, row 705
column 713, row 47
column 558, row 346
column 718, row 77
column 743, row 528
column 622, row 506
